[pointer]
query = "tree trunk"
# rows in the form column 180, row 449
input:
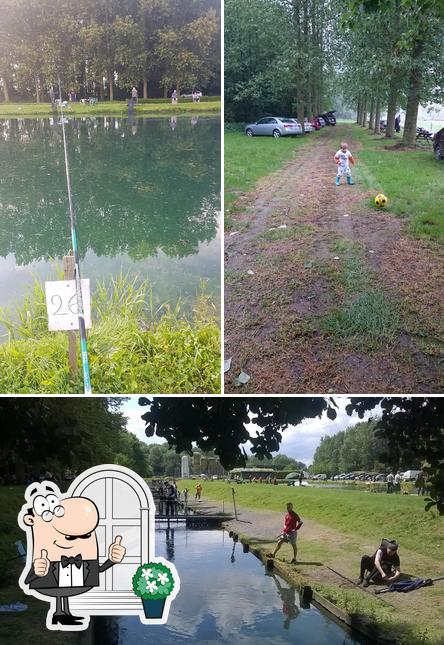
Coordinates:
column 358, row 112
column 377, row 129
column 165, row 92
column 145, row 88
column 111, row 88
column 413, row 97
column 391, row 111
column 37, row 90
column 364, row 112
column 101, row 91
column 6, row 90
column 371, row 121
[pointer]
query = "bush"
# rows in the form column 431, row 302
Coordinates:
column 133, row 345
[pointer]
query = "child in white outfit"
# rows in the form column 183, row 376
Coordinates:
column 343, row 157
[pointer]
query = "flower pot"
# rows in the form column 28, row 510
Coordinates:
column 153, row 608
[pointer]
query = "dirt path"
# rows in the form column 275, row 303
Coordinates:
column 342, row 298
column 320, row 547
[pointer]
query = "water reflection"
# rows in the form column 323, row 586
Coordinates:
column 226, row 603
column 141, row 191
column 133, row 196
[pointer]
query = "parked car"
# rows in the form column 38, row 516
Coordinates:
column 411, row 475
column 438, row 145
column 273, row 126
column 189, row 95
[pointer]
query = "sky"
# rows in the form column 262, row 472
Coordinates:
column 298, row 442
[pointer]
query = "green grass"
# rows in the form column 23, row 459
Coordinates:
column 150, row 107
column 355, row 513
column 247, row 159
column 133, row 345
column 412, row 180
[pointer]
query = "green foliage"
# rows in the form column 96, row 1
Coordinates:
column 356, row 448
column 153, row 581
column 121, row 41
column 132, row 345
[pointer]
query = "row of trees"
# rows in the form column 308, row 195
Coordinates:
column 277, row 57
column 279, row 462
column 301, row 57
column 393, row 57
column 66, row 435
column 99, row 46
column 357, row 448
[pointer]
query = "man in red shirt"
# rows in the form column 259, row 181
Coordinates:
column 292, row 524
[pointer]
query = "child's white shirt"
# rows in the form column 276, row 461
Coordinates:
column 343, row 158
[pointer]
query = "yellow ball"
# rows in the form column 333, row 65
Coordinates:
column 381, row 201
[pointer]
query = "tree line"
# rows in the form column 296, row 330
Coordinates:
column 302, row 57
column 105, row 47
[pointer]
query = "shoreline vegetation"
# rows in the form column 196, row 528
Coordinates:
column 209, row 105
column 134, row 344
column 336, row 532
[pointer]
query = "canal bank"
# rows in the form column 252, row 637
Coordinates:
column 324, row 556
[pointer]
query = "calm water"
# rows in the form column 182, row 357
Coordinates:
column 146, row 192
column 225, row 597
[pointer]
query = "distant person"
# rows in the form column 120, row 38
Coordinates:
column 170, row 499
column 397, row 482
column 198, row 492
column 194, row 95
column 343, row 159
column 134, row 95
column 382, row 567
column 301, row 477
column 72, row 95
column 292, row 524
column 185, row 493
column 398, row 123
column 390, row 480
column 174, row 97
column 420, row 484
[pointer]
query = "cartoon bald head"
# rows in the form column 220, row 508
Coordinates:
column 61, row 526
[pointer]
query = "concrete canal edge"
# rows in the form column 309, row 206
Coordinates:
column 308, row 595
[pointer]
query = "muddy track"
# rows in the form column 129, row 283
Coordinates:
column 315, row 250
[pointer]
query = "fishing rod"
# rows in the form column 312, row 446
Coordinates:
column 77, row 278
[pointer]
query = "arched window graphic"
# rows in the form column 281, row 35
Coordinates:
column 126, row 508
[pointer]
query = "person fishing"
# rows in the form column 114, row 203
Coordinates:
column 382, row 567
column 292, row 524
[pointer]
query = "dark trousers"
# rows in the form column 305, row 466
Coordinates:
column 170, row 503
column 367, row 564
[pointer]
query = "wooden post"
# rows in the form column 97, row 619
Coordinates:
column 234, row 503
column 68, row 270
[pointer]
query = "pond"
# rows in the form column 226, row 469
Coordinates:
column 225, row 597
column 146, row 193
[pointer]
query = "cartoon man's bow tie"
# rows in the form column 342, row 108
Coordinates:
column 77, row 560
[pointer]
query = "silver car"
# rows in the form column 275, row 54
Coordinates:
column 273, row 126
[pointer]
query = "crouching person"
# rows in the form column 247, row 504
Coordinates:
column 383, row 567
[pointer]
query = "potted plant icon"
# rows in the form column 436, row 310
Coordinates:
column 153, row 583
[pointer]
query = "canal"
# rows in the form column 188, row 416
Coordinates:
column 226, row 597
column 147, row 197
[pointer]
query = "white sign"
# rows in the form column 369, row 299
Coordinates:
column 61, row 305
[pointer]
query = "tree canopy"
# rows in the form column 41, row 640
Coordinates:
column 104, row 47
column 407, row 425
column 302, row 57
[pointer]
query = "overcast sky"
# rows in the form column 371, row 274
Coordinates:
column 298, row 442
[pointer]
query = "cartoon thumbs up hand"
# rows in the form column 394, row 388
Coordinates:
column 116, row 551
column 41, row 565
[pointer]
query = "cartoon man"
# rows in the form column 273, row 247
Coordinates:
column 63, row 543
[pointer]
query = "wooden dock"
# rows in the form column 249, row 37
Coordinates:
column 193, row 521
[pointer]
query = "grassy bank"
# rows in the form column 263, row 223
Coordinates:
column 133, row 345
column 247, row 159
column 150, row 107
column 28, row 626
column 347, row 511
column 339, row 527
column 412, row 180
